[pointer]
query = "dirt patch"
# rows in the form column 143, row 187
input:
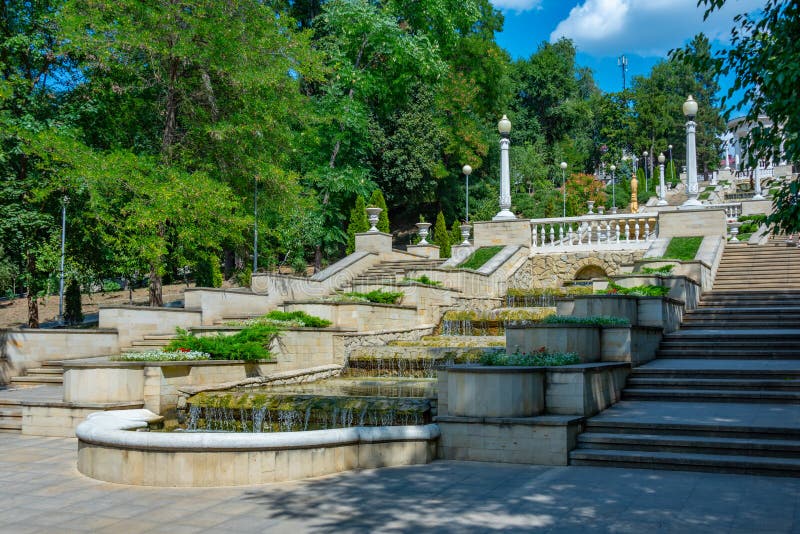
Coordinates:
column 14, row 313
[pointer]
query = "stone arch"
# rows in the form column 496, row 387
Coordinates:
column 586, row 267
column 587, row 272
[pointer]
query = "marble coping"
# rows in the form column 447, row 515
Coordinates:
column 574, row 368
column 106, row 364
column 117, row 429
column 347, row 303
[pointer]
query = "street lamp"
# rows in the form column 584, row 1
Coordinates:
column 644, row 164
column 662, row 192
column 255, row 223
column 690, row 110
column 467, row 170
column 64, row 202
column 613, row 189
column 564, row 187
column 671, row 165
column 504, row 127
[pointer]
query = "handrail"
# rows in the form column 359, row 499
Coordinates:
column 630, row 229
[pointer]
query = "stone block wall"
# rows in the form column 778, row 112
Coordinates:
column 552, row 270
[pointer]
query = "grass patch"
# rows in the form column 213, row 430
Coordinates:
column 424, row 280
column 377, row 296
column 664, row 269
column 250, row 343
column 478, row 258
column 637, row 291
column 592, row 320
column 683, row 248
column 284, row 319
column 704, row 195
column 537, row 359
column 564, row 291
column 162, row 356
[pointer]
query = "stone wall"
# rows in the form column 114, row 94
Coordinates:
column 218, row 303
column 552, row 270
column 134, row 322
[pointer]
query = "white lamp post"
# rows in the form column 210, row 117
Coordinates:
column 662, row 192
column 467, row 170
column 690, row 110
column 564, row 187
column 613, row 189
column 64, row 202
column 644, row 164
column 504, row 127
column 255, row 224
column 671, row 165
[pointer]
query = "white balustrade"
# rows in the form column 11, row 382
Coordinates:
column 621, row 230
column 733, row 210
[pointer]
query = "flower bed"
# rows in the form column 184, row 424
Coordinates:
column 162, row 356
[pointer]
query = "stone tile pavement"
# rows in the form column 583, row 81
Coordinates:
column 41, row 491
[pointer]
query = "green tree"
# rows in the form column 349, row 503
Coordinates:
column 441, row 236
column 358, row 223
column 378, row 201
column 455, row 233
column 73, row 312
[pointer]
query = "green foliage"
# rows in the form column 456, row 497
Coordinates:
column 110, row 286
column 377, row 296
column 243, row 277
column 477, row 259
column 786, row 215
column 250, row 343
column 424, row 280
column 683, row 248
column 664, row 269
column 537, row 359
column 750, row 224
column 455, row 233
column 299, row 317
column 638, row 291
column 563, row 291
column 207, row 273
column 593, row 320
column 671, row 174
column 441, row 236
column 73, row 312
column 358, row 223
column 162, row 356
column 378, row 201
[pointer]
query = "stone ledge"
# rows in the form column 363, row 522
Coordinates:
column 346, row 303
column 235, row 290
column 588, row 367
column 59, row 330
column 84, row 405
column 109, row 364
column 538, row 420
column 148, row 308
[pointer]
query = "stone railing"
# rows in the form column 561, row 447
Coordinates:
column 626, row 230
column 733, row 210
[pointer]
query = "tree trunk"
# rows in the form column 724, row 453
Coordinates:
column 170, row 110
column 156, row 295
column 317, row 259
column 230, row 263
column 33, row 304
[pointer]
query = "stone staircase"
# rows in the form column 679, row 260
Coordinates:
column 49, row 373
column 724, row 391
column 150, row 342
column 756, row 268
column 387, row 272
column 10, row 416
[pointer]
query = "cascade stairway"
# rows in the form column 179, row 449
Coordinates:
column 723, row 393
column 150, row 342
column 387, row 272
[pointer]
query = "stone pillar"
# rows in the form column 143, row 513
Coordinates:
column 634, row 192
column 691, row 166
column 757, row 184
column 505, row 180
column 662, row 186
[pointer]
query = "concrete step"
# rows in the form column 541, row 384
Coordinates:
column 160, row 337
column 52, row 363
column 36, row 380
column 44, row 371
column 741, row 334
column 687, row 381
column 773, row 309
column 670, row 343
column 729, row 354
column 687, row 462
column 744, row 323
column 690, row 444
column 710, row 395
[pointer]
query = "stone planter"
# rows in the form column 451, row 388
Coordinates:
column 423, row 232
column 481, row 391
column 581, row 339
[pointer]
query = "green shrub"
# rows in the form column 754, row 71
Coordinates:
column 377, row 296
column 207, row 273
column 111, row 285
column 592, row 320
column 455, row 234
column 441, row 236
column 301, row 317
column 637, row 291
column 378, row 201
column 537, row 359
column 424, row 280
column 478, row 258
column 683, row 248
column 704, row 195
column 664, row 269
column 243, row 277
column 73, row 313
column 358, row 224
column 250, row 343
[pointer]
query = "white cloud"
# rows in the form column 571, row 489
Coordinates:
column 517, row 5
column 644, row 27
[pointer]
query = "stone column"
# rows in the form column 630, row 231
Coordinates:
column 757, row 183
column 691, row 165
column 662, row 186
column 505, row 179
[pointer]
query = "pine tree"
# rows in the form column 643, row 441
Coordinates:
column 671, row 175
column 358, row 223
column 73, row 314
column 455, row 233
column 378, row 201
column 441, row 236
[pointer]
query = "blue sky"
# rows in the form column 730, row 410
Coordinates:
column 643, row 30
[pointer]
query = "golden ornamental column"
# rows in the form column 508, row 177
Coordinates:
column 634, row 194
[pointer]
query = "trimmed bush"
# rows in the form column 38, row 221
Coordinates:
column 73, row 313
column 593, row 320
column 441, row 236
column 358, row 224
column 537, row 359
column 250, row 343
column 637, row 291
column 664, row 269
column 207, row 273
column 378, row 296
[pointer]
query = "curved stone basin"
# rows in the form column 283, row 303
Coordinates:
column 110, row 449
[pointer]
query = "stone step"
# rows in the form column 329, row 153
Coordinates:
column 690, row 444
column 52, row 363
column 151, row 343
column 742, row 334
column 742, row 323
column 738, row 285
column 31, row 380
column 44, row 371
column 159, row 337
column 719, row 430
column 10, row 412
column 687, row 461
column 729, row 354
column 753, row 298
column 706, row 310
column 710, row 395
column 671, row 343
column 687, row 381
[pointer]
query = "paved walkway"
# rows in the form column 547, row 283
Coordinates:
column 41, row 491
